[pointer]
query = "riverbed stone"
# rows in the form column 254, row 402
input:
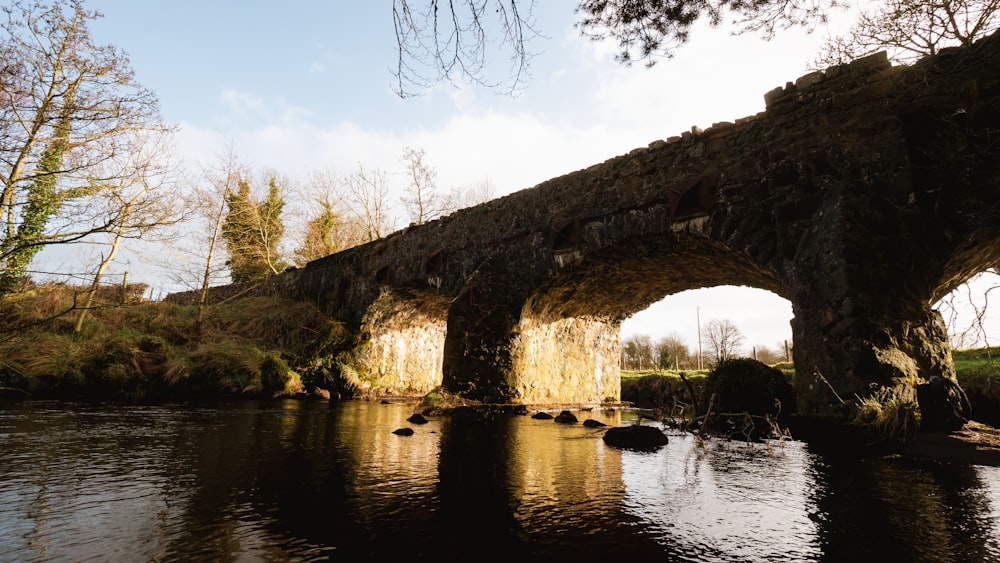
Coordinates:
column 566, row 417
column 636, row 437
column 417, row 418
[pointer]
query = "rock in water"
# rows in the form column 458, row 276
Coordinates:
column 637, row 437
column 566, row 417
column 417, row 418
column 591, row 423
column 403, row 432
column 542, row 415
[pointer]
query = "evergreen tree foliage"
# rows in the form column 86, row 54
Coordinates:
column 252, row 230
column 42, row 203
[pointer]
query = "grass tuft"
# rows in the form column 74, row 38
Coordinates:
column 891, row 411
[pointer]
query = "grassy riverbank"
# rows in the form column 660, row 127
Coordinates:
column 978, row 373
column 133, row 349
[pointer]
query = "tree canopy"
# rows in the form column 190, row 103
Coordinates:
column 252, row 230
column 442, row 41
column 75, row 129
column 910, row 29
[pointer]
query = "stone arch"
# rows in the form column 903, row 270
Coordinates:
column 568, row 343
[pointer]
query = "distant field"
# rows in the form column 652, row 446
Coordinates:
column 977, row 362
column 972, row 363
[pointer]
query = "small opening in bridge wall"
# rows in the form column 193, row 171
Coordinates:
column 567, row 237
column 382, row 275
column 689, row 198
column 434, row 264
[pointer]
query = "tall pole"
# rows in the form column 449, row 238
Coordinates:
column 697, row 316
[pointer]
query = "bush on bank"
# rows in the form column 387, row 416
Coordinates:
column 257, row 346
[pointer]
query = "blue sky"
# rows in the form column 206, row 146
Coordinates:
column 301, row 86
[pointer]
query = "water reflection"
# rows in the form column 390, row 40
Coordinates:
column 726, row 501
column 907, row 510
column 248, row 481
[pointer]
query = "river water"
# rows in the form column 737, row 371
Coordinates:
column 302, row 481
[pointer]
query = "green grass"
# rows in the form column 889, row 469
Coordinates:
column 633, row 374
column 891, row 411
column 977, row 361
column 979, row 372
column 143, row 349
column 979, row 375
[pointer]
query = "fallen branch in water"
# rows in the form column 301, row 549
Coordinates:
column 834, row 391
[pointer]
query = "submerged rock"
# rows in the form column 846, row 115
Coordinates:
column 417, row 418
column 542, row 415
column 636, row 437
column 566, row 417
column 591, row 423
column 403, row 432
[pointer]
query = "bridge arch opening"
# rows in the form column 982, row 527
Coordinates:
column 568, row 345
column 762, row 319
column 972, row 320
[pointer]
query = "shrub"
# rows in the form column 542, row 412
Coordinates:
column 224, row 368
column 665, row 391
column 49, row 364
column 276, row 378
column 745, row 385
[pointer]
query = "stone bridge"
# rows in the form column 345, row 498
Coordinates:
column 863, row 194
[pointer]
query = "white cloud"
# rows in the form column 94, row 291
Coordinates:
column 242, row 103
column 761, row 316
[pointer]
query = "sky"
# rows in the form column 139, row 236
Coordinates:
column 304, row 86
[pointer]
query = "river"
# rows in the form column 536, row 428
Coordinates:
column 308, row 481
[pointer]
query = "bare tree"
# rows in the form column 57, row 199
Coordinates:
column 367, row 193
column 69, row 112
column 442, row 41
column 421, row 199
column 973, row 296
column 722, row 338
column 638, row 352
column 911, row 29
column 768, row 355
column 135, row 206
column 672, row 352
column 471, row 194
column 329, row 226
column 210, row 198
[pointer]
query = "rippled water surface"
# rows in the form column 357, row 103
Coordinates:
column 293, row 481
